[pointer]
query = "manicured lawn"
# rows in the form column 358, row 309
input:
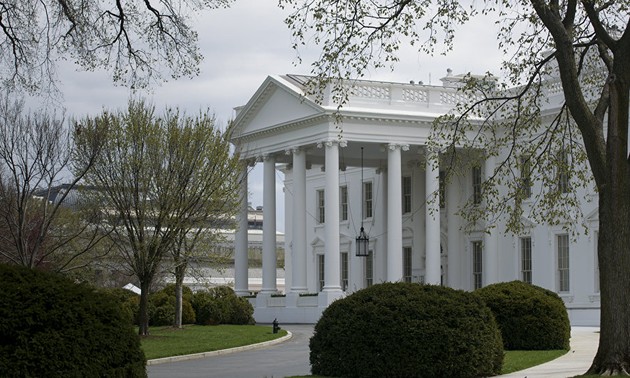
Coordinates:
column 167, row 341
column 516, row 360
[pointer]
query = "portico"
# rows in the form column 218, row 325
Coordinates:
column 373, row 164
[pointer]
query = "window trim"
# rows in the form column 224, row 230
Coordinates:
column 477, row 180
column 368, row 202
column 477, row 262
column 563, row 263
column 526, row 263
column 320, row 201
column 343, row 203
column 407, row 190
column 407, row 264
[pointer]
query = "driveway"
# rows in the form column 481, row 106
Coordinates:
column 278, row 361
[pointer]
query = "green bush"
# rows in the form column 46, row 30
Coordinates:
column 51, row 326
column 529, row 317
column 162, row 307
column 129, row 301
column 407, row 330
column 220, row 305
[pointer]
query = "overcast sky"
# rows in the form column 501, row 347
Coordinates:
column 245, row 43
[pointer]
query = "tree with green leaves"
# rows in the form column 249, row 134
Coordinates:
column 158, row 176
column 584, row 44
column 139, row 41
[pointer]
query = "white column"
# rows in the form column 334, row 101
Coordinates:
column 490, row 242
column 332, row 280
column 298, row 267
column 394, row 214
column 453, row 250
column 432, row 218
column 269, row 224
column 241, row 285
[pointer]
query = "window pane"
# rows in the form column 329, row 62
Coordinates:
column 320, row 263
column 406, row 188
column 526, row 259
column 344, row 271
column 369, row 269
column 563, row 262
column 343, row 203
column 526, row 183
column 407, row 264
column 367, row 200
column 477, row 265
column 321, row 214
column 476, row 175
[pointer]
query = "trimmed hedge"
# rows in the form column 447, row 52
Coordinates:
column 220, row 305
column 529, row 317
column 407, row 330
column 162, row 307
column 51, row 326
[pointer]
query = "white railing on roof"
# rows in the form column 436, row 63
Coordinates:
column 405, row 95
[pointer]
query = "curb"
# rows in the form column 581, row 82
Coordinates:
column 221, row 352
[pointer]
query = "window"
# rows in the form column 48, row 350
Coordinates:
column 344, row 271
column 526, row 177
column 563, row 262
column 476, row 178
column 406, row 194
column 343, row 203
column 526, row 259
column 321, row 210
column 563, row 171
column 442, row 186
column 321, row 269
column 367, row 200
column 407, row 264
column 477, row 264
column 369, row 269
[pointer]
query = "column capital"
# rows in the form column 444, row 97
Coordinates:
column 402, row 146
column 294, row 150
column 330, row 142
column 267, row 156
column 248, row 162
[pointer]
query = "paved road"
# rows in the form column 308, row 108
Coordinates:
column 283, row 360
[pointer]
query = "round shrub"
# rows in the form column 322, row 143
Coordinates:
column 51, row 326
column 162, row 307
column 529, row 317
column 220, row 305
column 129, row 301
column 407, row 330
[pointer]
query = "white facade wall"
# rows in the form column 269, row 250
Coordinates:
column 278, row 120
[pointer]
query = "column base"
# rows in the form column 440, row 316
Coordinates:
column 328, row 296
column 242, row 292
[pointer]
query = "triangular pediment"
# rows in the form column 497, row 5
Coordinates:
column 593, row 216
column 276, row 103
column 526, row 223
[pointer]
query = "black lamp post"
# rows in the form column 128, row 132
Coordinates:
column 363, row 241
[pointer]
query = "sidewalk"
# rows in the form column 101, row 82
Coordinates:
column 584, row 341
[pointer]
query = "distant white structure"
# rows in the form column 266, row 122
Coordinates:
column 411, row 239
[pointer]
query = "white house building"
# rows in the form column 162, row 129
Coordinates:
column 369, row 164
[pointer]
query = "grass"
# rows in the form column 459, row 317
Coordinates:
column 168, row 341
column 516, row 360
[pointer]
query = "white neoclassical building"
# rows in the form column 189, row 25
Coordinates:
column 368, row 164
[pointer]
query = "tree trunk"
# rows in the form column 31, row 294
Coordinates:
column 143, row 316
column 613, row 354
column 180, row 272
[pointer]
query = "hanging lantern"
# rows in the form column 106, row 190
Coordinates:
column 363, row 243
